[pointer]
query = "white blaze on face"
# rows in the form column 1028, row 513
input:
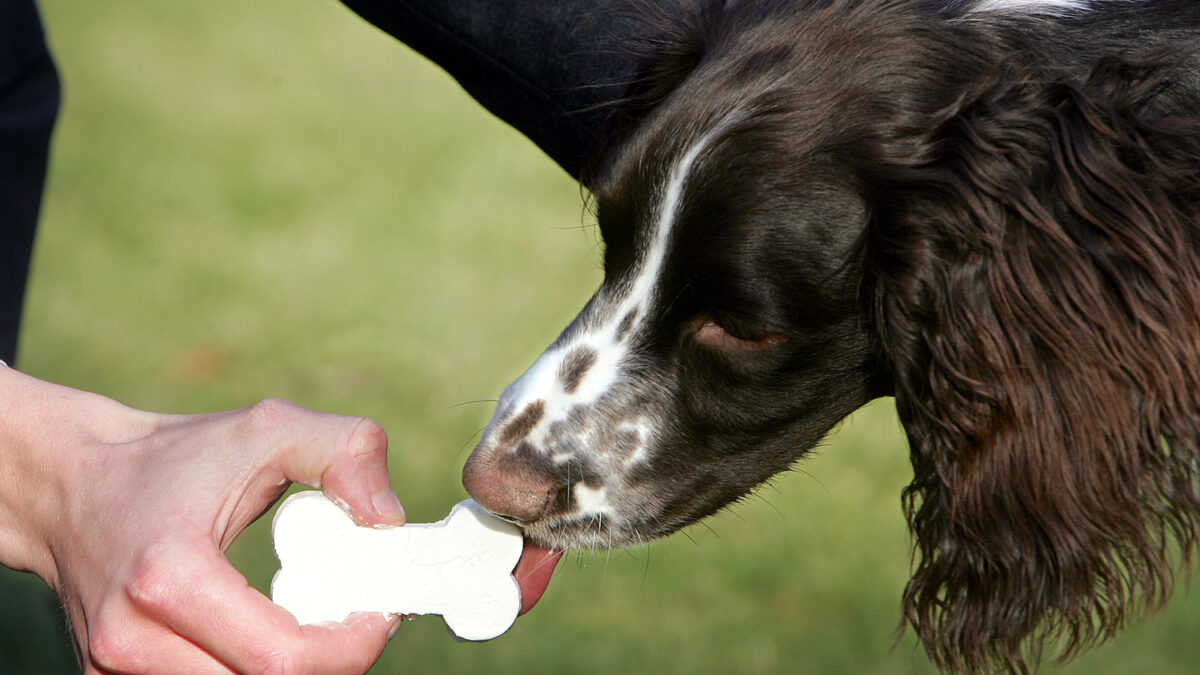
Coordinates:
column 587, row 363
column 1053, row 6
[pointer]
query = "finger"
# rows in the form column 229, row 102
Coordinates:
column 121, row 639
column 243, row 629
column 151, row 649
column 345, row 456
column 359, row 478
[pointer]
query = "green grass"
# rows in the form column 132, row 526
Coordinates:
column 262, row 199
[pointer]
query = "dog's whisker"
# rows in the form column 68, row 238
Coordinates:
column 689, row 536
column 481, row 400
column 467, row 443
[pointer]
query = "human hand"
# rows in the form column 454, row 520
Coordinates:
column 127, row 514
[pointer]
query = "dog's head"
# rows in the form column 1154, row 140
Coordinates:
column 728, row 336
column 807, row 205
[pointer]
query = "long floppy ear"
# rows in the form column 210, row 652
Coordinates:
column 1038, row 296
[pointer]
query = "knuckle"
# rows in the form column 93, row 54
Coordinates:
column 367, row 438
column 271, row 412
column 110, row 651
column 153, row 586
column 274, row 662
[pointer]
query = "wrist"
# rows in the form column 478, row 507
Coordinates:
column 26, row 475
column 49, row 440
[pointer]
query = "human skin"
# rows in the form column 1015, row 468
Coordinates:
column 127, row 514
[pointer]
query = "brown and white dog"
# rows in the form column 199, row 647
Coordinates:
column 989, row 209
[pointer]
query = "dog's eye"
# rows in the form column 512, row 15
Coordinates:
column 712, row 333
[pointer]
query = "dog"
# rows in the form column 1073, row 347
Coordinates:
column 988, row 209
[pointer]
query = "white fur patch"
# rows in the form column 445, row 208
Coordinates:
column 640, row 429
column 592, row 502
column 603, row 337
column 1052, row 6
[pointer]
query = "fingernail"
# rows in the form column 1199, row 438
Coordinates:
column 395, row 620
column 388, row 505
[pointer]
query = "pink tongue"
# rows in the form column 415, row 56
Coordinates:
column 533, row 572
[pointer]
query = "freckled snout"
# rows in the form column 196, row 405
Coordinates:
column 506, row 488
column 557, row 454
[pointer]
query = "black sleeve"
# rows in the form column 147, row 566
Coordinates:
column 29, row 97
column 547, row 67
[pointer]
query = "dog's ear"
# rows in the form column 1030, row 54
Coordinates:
column 667, row 39
column 1037, row 293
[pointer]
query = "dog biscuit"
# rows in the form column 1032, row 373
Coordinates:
column 460, row 567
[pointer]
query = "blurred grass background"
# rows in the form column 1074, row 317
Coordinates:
column 254, row 199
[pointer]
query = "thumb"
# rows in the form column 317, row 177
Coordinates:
column 359, row 480
column 345, row 456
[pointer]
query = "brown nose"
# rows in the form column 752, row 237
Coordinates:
column 506, row 488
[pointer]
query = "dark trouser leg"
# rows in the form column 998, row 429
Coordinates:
column 29, row 97
column 540, row 65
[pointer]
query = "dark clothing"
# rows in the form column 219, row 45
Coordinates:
column 29, row 98
column 546, row 67
column 539, row 65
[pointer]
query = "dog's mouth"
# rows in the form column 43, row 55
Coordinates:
column 533, row 572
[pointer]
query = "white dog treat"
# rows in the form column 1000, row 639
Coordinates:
column 460, row 567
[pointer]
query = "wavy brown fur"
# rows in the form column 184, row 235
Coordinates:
column 1041, row 306
column 1031, row 272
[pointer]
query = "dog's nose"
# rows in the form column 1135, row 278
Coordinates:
column 511, row 490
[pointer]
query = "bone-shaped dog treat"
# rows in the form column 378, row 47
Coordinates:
column 460, row 567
